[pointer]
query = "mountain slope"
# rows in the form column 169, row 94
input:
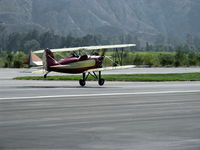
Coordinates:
column 166, row 17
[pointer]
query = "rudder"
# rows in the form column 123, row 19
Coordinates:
column 48, row 59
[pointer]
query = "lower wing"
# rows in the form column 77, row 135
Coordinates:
column 111, row 68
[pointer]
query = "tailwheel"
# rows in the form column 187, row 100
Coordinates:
column 101, row 82
column 45, row 76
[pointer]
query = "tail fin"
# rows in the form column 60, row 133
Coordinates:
column 48, row 59
column 33, row 60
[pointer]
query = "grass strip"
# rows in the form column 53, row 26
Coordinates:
column 125, row 77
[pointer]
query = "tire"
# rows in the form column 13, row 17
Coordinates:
column 101, row 82
column 82, row 82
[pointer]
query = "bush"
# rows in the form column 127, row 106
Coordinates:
column 193, row 59
column 166, row 60
column 13, row 60
column 181, row 59
column 138, row 59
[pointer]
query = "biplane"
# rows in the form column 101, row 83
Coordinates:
column 76, row 63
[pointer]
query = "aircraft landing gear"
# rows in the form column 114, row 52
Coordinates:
column 101, row 81
column 45, row 75
column 82, row 82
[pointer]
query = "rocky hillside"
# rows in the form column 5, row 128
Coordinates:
column 109, row 17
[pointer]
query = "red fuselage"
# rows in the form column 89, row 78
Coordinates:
column 76, row 65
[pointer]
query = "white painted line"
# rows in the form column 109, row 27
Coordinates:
column 93, row 95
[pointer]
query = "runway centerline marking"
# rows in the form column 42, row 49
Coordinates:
column 104, row 94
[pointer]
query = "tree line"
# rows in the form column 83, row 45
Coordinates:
column 151, row 59
column 34, row 40
column 15, row 47
column 163, row 59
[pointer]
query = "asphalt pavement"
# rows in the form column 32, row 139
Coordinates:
column 118, row 116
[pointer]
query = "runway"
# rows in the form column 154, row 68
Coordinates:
column 120, row 115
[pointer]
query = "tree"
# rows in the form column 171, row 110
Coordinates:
column 197, row 43
column 181, row 58
column 190, row 39
column 14, row 41
column 166, row 60
column 148, row 47
column 2, row 37
column 18, row 59
column 193, row 58
column 160, row 39
column 50, row 40
column 148, row 59
column 31, row 45
column 138, row 43
column 138, row 60
column 9, row 60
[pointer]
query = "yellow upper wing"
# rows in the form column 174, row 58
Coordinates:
column 88, row 48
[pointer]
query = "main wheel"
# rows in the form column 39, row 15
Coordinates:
column 82, row 82
column 101, row 82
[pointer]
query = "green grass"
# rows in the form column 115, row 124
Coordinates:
column 125, row 77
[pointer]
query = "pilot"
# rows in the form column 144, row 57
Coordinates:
column 74, row 55
column 84, row 57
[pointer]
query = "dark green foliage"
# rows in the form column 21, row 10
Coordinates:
column 14, row 41
column 34, row 40
column 166, row 59
column 181, row 58
column 32, row 45
column 149, row 60
column 148, row 53
column 12, row 59
column 154, row 59
column 9, row 60
column 138, row 60
column 193, row 58
column 19, row 59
